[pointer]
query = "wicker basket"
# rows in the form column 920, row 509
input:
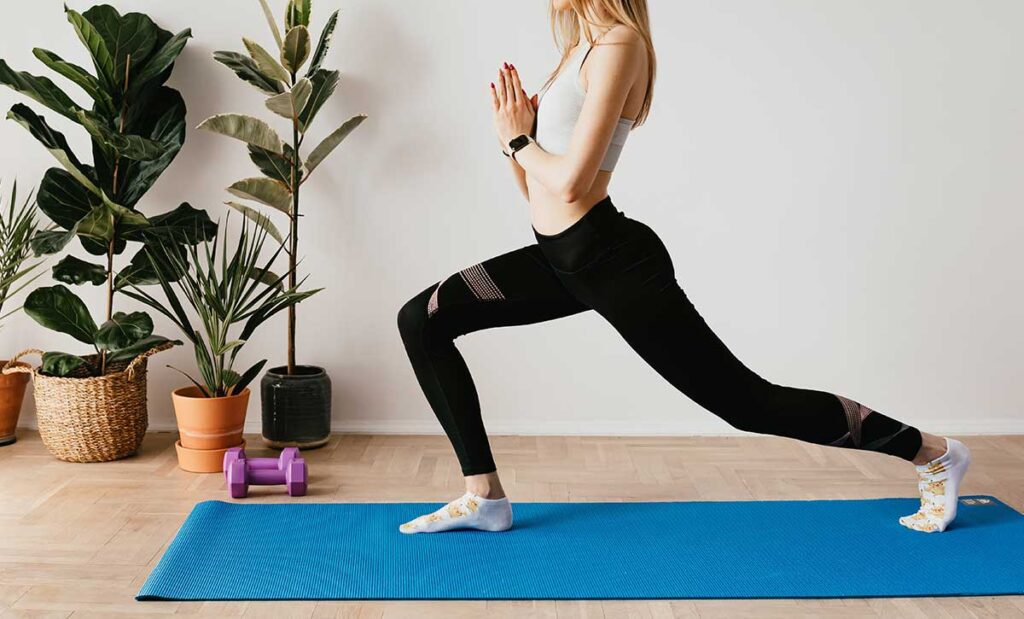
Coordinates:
column 91, row 418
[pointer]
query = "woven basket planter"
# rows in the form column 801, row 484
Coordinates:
column 91, row 418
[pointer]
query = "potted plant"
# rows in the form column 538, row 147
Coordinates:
column 233, row 291
column 93, row 408
column 17, row 226
column 296, row 398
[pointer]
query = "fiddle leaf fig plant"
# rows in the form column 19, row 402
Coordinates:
column 296, row 97
column 136, row 126
column 18, row 223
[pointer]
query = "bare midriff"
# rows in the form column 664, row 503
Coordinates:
column 550, row 215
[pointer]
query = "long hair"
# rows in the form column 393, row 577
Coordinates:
column 565, row 26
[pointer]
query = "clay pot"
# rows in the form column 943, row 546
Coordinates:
column 12, row 394
column 207, row 427
column 202, row 460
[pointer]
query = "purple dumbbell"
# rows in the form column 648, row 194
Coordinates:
column 241, row 472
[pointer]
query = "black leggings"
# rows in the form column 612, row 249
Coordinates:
column 619, row 268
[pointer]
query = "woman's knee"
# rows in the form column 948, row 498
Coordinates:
column 413, row 316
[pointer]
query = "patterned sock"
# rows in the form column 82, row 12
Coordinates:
column 939, row 484
column 466, row 512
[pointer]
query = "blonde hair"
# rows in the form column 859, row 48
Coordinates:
column 565, row 26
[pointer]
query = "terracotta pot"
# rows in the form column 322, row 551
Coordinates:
column 202, row 460
column 12, row 394
column 209, row 423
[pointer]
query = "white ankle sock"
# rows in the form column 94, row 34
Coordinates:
column 469, row 511
column 939, row 484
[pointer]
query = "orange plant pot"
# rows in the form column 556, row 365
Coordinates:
column 209, row 423
column 12, row 394
column 202, row 460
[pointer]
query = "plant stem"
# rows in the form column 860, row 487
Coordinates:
column 293, row 240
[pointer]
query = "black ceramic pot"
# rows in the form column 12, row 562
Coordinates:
column 296, row 408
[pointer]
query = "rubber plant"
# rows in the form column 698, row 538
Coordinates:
column 297, row 98
column 136, row 125
column 232, row 290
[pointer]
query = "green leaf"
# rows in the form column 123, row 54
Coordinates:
column 296, row 48
column 324, row 82
column 54, row 142
column 163, row 59
column 141, row 271
column 123, row 330
column 127, row 146
column 42, row 89
column 72, row 270
column 134, row 350
column 266, row 63
column 270, row 21
column 297, row 13
column 97, row 47
column 247, row 69
column 98, row 225
column 324, row 44
column 265, row 191
column 60, row 364
column 59, row 309
column 47, row 242
column 245, row 128
column 130, row 38
column 63, row 199
column 82, row 78
column 162, row 120
column 277, row 167
column 184, row 224
column 289, row 103
column 331, row 142
column 246, row 378
column 259, row 219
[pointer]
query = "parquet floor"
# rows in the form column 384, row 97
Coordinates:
column 78, row 540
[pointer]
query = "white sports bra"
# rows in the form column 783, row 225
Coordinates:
column 562, row 103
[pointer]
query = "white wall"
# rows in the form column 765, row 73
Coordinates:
column 839, row 183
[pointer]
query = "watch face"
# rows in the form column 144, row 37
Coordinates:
column 519, row 142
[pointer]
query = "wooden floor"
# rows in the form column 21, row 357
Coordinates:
column 79, row 539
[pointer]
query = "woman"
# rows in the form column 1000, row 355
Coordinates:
column 590, row 256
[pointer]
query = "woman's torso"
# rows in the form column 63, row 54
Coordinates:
column 548, row 212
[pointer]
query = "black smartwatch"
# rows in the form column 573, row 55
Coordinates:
column 517, row 144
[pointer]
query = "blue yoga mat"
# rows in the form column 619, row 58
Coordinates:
column 774, row 549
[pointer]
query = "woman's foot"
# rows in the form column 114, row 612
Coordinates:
column 939, row 484
column 470, row 511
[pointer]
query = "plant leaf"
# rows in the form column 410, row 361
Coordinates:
column 97, row 47
column 245, row 128
column 297, row 13
column 63, row 199
column 72, row 270
column 130, row 39
column 162, row 59
column 247, row 69
column 265, row 191
column 47, row 242
column 296, row 48
column 123, row 330
column 266, row 63
column 277, row 167
column 273, row 24
column 98, row 225
column 259, row 219
column 134, row 350
column 247, row 377
column 60, row 363
column 161, row 120
column 59, row 309
column 184, row 224
column 286, row 104
column 54, row 142
column 331, row 142
column 326, row 35
column 42, row 89
column 324, row 82
column 128, row 146
column 82, row 78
